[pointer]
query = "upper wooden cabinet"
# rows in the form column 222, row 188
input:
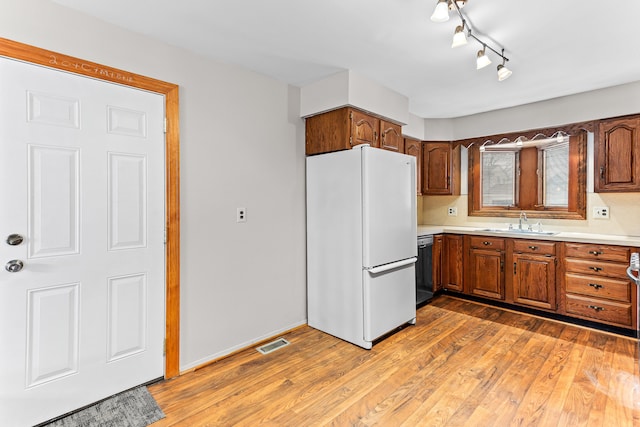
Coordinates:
column 413, row 147
column 440, row 168
column 391, row 136
column 364, row 128
column 347, row 127
column 617, row 155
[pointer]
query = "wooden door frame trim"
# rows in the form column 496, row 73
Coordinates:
column 35, row 55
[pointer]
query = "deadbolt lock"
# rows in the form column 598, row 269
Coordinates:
column 14, row 239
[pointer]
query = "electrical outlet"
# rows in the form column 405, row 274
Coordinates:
column 452, row 211
column 601, row 212
column 241, row 215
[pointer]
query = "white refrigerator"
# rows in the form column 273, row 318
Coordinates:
column 361, row 243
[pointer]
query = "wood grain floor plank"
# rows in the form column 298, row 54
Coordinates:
column 462, row 364
column 623, row 390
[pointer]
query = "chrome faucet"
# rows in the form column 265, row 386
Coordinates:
column 523, row 215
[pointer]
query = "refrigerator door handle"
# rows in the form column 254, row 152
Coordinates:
column 391, row 266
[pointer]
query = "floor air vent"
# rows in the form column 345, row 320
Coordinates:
column 273, row 346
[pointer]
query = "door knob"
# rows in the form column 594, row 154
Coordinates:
column 14, row 239
column 14, row 266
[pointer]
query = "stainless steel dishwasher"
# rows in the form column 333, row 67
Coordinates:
column 424, row 266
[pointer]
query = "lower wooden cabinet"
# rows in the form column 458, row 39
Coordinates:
column 534, row 274
column 485, row 266
column 452, row 267
column 436, row 255
column 595, row 284
column 575, row 280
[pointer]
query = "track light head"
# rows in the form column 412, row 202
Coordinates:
column 503, row 72
column 459, row 37
column 441, row 12
column 482, row 59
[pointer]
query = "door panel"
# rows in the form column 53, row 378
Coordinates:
column 127, row 201
column 82, row 167
column 52, row 335
column 53, row 210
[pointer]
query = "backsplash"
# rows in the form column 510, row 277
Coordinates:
column 624, row 215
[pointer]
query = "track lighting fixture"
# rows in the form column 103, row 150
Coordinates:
column 441, row 14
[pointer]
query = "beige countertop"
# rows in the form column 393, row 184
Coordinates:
column 606, row 239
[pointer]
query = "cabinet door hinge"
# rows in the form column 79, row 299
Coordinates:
column 164, row 347
column 514, row 267
column 165, row 125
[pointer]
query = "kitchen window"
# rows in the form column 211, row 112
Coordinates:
column 499, row 178
column 555, row 175
column 546, row 177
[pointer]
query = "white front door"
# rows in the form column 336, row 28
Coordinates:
column 82, row 184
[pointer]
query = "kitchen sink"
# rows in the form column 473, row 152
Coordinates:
column 518, row 231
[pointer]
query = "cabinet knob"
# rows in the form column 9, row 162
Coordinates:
column 595, row 268
column 486, row 243
column 596, row 285
column 533, row 248
column 596, row 253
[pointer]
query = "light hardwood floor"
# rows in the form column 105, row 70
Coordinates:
column 462, row 364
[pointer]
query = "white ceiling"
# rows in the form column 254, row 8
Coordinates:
column 555, row 48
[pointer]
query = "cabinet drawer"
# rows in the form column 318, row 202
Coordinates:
column 486, row 242
column 600, row 287
column 534, row 247
column 599, row 268
column 602, row 252
column 597, row 309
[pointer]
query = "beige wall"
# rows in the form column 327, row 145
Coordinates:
column 624, row 215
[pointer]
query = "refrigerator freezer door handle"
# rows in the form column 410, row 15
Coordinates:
column 391, row 266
